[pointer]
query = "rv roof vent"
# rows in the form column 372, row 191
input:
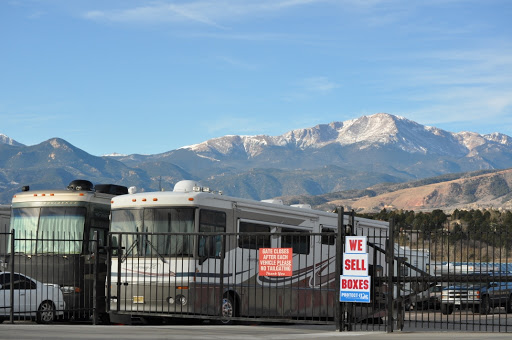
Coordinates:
column 187, row 186
column 303, row 206
column 80, row 185
column 273, row 201
column 111, row 189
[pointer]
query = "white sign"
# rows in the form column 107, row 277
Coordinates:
column 356, row 245
column 355, row 264
column 355, row 282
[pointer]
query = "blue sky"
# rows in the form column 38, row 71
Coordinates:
column 151, row 76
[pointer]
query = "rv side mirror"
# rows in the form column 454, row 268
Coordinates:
column 204, row 249
column 94, row 247
column 101, row 247
column 114, row 247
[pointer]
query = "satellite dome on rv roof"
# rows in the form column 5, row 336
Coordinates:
column 186, row 186
column 80, row 185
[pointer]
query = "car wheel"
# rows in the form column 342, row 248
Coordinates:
column 485, row 306
column 422, row 305
column 446, row 309
column 509, row 304
column 46, row 312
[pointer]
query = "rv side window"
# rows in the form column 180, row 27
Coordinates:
column 328, row 237
column 297, row 239
column 211, row 222
column 249, row 238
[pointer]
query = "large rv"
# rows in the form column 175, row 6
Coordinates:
column 5, row 216
column 192, row 252
column 53, row 241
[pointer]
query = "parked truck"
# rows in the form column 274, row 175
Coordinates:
column 495, row 290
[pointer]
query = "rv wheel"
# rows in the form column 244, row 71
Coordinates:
column 228, row 310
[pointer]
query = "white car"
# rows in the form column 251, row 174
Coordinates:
column 31, row 298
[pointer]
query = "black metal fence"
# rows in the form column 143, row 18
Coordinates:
column 455, row 280
column 440, row 280
column 59, row 276
column 259, row 276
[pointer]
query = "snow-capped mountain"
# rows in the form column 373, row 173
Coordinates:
column 377, row 130
column 8, row 140
column 338, row 156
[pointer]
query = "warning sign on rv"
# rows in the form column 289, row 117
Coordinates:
column 275, row 261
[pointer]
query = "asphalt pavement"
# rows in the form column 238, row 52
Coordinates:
column 29, row 331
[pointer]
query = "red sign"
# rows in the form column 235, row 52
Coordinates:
column 275, row 261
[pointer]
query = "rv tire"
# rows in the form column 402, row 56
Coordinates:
column 229, row 309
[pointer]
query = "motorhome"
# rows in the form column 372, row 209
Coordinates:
column 5, row 217
column 53, row 241
column 193, row 252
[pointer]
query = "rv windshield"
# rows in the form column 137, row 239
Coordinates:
column 157, row 221
column 57, row 230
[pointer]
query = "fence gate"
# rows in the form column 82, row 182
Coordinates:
column 253, row 276
column 449, row 281
column 260, row 275
column 457, row 280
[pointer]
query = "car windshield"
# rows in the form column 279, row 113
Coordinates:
column 160, row 224
column 48, row 229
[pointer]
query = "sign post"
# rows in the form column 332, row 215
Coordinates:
column 355, row 283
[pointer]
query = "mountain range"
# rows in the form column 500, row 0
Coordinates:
column 340, row 156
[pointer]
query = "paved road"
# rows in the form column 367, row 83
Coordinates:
column 426, row 325
column 22, row 331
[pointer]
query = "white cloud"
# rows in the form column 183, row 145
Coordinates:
column 310, row 87
column 318, row 84
column 237, row 63
column 225, row 125
column 466, row 86
column 206, row 11
column 152, row 14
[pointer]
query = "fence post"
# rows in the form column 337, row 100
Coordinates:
column 95, row 253
column 222, row 272
column 118, row 283
column 339, row 315
column 11, row 299
column 390, row 250
column 109, row 276
column 349, row 230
